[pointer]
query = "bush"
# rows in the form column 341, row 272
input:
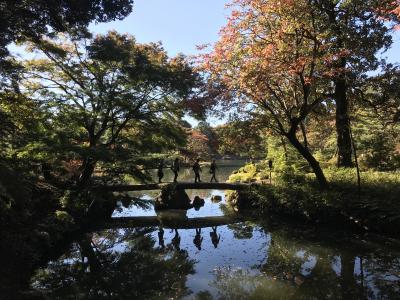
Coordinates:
column 298, row 195
column 245, row 174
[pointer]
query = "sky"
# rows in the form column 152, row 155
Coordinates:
column 179, row 24
column 182, row 24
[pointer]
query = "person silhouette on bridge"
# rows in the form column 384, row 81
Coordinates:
column 161, row 238
column 213, row 168
column 176, row 240
column 196, row 168
column 160, row 172
column 198, row 238
column 175, row 169
column 214, row 236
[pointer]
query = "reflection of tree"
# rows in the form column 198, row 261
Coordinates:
column 241, row 284
column 306, row 265
column 379, row 274
column 203, row 295
column 306, row 262
column 243, row 230
column 117, row 264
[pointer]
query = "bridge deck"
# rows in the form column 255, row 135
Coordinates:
column 179, row 185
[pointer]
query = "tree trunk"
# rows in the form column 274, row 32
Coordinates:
column 342, row 124
column 350, row 289
column 304, row 132
column 88, row 252
column 87, row 172
column 319, row 174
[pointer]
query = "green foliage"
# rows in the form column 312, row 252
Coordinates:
column 114, row 101
column 32, row 19
column 284, row 157
column 73, row 202
column 244, row 174
column 376, row 145
column 64, row 216
column 241, row 139
column 298, row 195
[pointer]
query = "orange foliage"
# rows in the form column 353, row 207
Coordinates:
column 270, row 53
column 197, row 135
column 274, row 54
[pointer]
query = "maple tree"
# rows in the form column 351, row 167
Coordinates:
column 197, row 145
column 286, row 58
column 271, row 57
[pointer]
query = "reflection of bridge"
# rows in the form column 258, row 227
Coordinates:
column 174, row 223
column 177, row 186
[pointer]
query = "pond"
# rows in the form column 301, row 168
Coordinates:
column 228, row 256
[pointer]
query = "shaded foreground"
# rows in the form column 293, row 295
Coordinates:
column 250, row 259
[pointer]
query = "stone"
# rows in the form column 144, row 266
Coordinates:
column 198, row 202
column 216, row 198
column 172, row 198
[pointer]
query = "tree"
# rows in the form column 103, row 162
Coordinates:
column 205, row 128
column 101, row 89
column 381, row 93
column 357, row 31
column 197, row 145
column 272, row 59
column 240, row 138
column 29, row 20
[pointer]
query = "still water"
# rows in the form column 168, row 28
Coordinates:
column 244, row 257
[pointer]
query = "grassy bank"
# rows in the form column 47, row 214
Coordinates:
column 375, row 207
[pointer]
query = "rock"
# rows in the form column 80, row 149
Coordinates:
column 172, row 198
column 198, row 202
column 216, row 198
column 126, row 202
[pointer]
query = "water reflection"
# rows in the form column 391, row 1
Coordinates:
column 297, row 268
column 117, row 264
column 272, row 263
column 214, row 236
column 168, row 255
column 161, row 238
column 198, row 239
column 176, row 240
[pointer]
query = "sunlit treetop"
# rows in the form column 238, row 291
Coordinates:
column 275, row 39
column 21, row 20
